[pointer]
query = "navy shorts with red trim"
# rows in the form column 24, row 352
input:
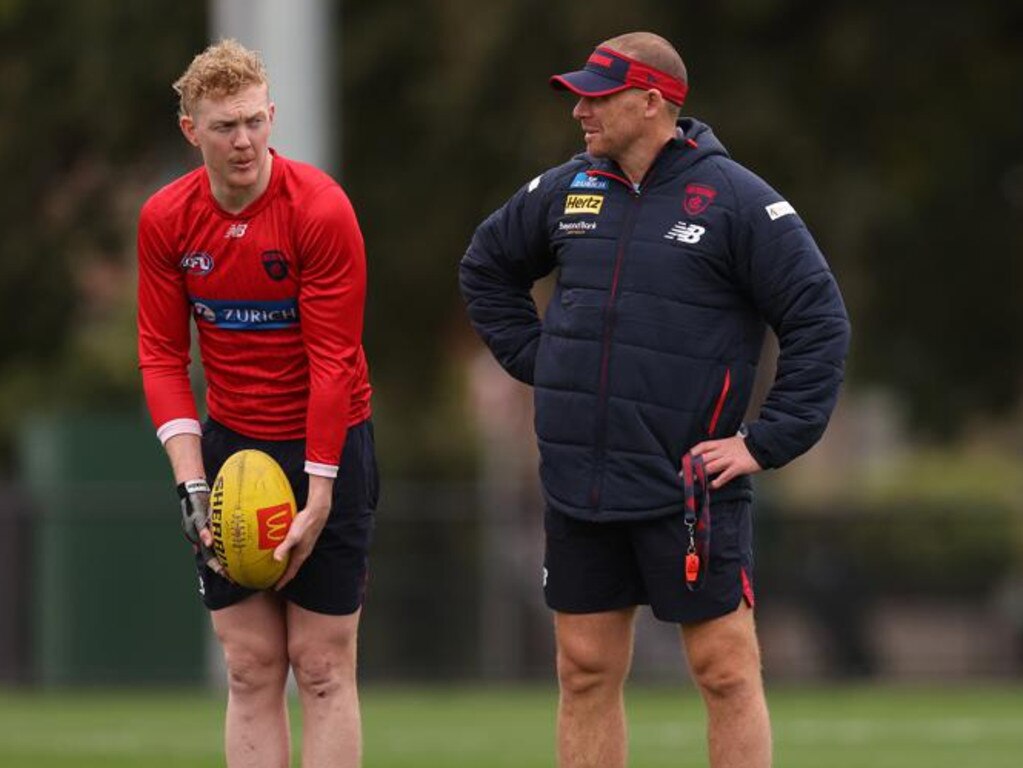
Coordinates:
column 333, row 578
column 591, row 567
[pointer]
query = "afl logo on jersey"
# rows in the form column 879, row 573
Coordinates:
column 197, row 263
column 275, row 264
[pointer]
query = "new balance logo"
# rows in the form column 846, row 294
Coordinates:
column 236, row 230
column 683, row 232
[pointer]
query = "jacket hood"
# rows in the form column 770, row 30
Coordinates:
column 694, row 132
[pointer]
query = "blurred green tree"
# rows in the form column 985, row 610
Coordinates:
column 892, row 128
column 87, row 114
column 887, row 125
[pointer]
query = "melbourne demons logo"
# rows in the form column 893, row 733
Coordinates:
column 275, row 264
column 273, row 523
column 698, row 198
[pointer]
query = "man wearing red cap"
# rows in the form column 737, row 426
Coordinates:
column 672, row 260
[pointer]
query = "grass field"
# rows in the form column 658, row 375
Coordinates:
column 843, row 727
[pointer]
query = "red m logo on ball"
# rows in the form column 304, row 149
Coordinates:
column 273, row 525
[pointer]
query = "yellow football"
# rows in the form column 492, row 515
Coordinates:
column 251, row 509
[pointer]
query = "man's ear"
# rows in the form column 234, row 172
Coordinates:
column 187, row 125
column 654, row 102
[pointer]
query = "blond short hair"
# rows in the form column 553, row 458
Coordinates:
column 223, row 69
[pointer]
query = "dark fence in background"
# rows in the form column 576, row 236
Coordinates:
column 907, row 589
column 98, row 587
column 15, row 586
column 104, row 579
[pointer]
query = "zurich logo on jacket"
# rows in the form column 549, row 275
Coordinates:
column 651, row 339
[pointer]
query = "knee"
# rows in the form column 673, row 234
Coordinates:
column 323, row 671
column 253, row 671
column 726, row 676
column 582, row 674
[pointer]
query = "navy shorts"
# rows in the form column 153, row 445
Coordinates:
column 333, row 578
column 592, row 567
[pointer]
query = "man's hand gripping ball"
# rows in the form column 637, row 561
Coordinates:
column 195, row 520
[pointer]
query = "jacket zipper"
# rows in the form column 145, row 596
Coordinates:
column 720, row 405
column 600, row 443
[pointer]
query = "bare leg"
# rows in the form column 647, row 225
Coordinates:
column 323, row 655
column 594, row 655
column 725, row 661
column 253, row 637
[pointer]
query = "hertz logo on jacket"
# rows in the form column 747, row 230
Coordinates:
column 584, row 203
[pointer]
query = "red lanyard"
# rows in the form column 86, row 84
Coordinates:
column 696, row 519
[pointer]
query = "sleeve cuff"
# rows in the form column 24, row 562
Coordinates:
column 756, row 449
column 321, row 470
column 169, row 429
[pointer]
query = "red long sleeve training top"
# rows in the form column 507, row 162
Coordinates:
column 277, row 293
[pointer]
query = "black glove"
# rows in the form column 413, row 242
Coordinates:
column 195, row 515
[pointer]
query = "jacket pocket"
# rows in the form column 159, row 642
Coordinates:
column 719, row 403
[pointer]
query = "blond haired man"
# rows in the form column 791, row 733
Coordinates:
column 266, row 256
column 671, row 260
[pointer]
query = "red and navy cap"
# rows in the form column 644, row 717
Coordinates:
column 607, row 71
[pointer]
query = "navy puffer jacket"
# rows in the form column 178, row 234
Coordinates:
column 651, row 339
